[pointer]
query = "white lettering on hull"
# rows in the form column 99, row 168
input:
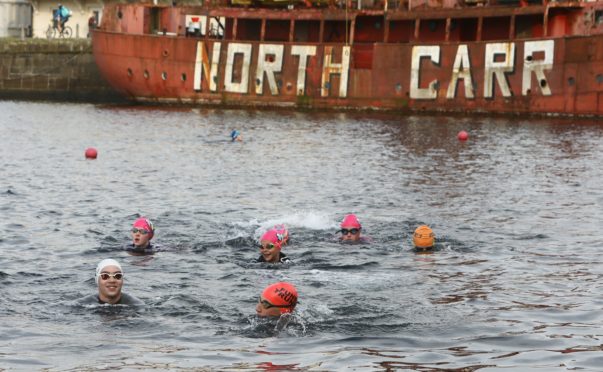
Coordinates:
column 303, row 51
column 461, row 69
column 198, row 67
column 418, row 52
column 268, row 67
column 498, row 69
column 498, row 62
column 213, row 74
column 537, row 67
column 202, row 67
column 329, row 68
column 229, row 84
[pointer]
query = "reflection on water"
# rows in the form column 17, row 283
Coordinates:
column 515, row 282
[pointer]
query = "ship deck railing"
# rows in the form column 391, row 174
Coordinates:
column 377, row 4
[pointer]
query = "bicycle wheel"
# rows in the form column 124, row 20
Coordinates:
column 67, row 32
column 50, row 32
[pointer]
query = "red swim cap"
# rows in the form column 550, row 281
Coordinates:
column 143, row 223
column 273, row 237
column 350, row 221
column 281, row 294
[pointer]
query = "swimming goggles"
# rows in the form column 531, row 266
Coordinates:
column 353, row 231
column 267, row 305
column 267, row 246
column 116, row 276
column 142, row 231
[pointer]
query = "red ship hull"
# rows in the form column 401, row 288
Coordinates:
column 556, row 74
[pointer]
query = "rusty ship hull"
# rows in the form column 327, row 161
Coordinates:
column 529, row 58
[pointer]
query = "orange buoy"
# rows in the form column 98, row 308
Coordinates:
column 91, row 153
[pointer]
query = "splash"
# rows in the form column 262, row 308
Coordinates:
column 312, row 220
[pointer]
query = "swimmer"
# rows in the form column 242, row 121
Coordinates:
column 142, row 233
column 350, row 230
column 235, row 135
column 423, row 239
column 277, row 299
column 110, row 279
column 270, row 248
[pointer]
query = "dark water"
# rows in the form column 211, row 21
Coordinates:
column 517, row 211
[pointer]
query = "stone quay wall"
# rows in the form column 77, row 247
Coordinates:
column 58, row 69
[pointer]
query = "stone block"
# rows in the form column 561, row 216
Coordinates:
column 12, row 83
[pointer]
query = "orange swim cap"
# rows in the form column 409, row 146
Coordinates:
column 423, row 237
column 281, row 294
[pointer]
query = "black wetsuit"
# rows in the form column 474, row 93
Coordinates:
column 150, row 249
column 282, row 258
column 125, row 299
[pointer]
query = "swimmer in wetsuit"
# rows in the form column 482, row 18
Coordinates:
column 110, row 279
column 423, row 239
column 235, row 136
column 277, row 299
column 270, row 247
column 142, row 233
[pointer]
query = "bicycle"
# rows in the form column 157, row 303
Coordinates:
column 52, row 32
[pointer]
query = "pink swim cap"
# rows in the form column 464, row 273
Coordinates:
column 144, row 223
column 273, row 237
column 281, row 229
column 350, row 221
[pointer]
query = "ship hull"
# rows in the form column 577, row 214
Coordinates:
column 562, row 75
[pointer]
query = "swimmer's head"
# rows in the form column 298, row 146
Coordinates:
column 144, row 226
column 423, row 238
column 234, row 135
column 350, row 228
column 277, row 299
column 284, row 233
column 270, row 245
column 103, row 264
column 273, row 237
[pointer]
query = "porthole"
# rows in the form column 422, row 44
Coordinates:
column 164, row 75
column 146, row 74
column 571, row 81
column 183, row 77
